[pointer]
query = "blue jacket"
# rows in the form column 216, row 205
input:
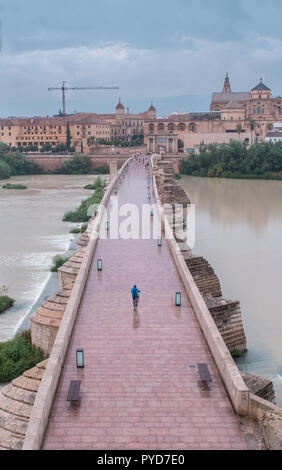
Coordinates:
column 133, row 290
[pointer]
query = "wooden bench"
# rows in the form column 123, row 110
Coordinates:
column 74, row 389
column 205, row 374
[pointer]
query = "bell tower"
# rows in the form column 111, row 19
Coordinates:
column 226, row 86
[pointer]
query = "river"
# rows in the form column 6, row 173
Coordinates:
column 31, row 235
column 239, row 231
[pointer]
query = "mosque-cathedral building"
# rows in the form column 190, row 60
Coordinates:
column 228, row 118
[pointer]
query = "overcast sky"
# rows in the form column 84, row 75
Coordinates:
column 174, row 52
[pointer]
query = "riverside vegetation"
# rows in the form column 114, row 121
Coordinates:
column 18, row 355
column 81, row 213
column 5, row 301
column 236, row 160
column 14, row 186
column 13, row 163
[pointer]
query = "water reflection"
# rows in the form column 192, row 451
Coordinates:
column 230, row 201
column 136, row 320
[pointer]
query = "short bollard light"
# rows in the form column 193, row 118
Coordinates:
column 152, row 212
column 160, row 241
column 178, row 299
column 99, row 265
column 149, row 196
column 80, row 358
column 107, row 225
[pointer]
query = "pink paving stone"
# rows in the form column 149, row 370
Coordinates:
column 137, row 390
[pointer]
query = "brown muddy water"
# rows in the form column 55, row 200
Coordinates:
column 239, row 231
column 31, row 235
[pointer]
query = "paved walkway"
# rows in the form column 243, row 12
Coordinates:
column 140, row 388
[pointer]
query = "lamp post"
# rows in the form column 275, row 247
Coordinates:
column 80, row 358
column 178, row 299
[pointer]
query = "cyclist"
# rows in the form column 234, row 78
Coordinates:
column 135, row 295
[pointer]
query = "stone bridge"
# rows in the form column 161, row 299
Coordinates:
column 140, row 387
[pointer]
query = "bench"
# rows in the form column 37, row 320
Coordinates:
column 74, row 389
column 205, row 374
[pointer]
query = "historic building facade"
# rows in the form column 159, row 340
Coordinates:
column 244, row 116
column 231, row 117
column 36, row 132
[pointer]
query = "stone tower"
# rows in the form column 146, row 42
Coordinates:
column 152, row 113
column 226, row 86
column 120, row 109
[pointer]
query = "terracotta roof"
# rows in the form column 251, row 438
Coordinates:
column 233, row 105
column 225, row 97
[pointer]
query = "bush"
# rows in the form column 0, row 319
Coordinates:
column 17, row 356
column 5, row 303
column 58, row 263
column 236, row 354
column 81, row 213
column 5, row 170
column 14, row 186
column 78, row 165
column 98, row 184
column 177, row 176
column 79, row 230
column 19, row 165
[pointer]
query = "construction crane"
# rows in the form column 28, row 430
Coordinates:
column 63, row 89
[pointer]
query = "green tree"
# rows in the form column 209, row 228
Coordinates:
column 78, row 165
column 5, row 170
column 269, row 126
column 91, row 142
column 239, row 129
column 68, row 141
column 180, row 145
column 252, row 125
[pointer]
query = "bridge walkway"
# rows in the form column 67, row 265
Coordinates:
column 140, row 387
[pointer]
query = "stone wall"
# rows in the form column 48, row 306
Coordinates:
column 45, row 322
column 228, row 319
column 54, row 162
column 69, row 270
column 16, row 402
